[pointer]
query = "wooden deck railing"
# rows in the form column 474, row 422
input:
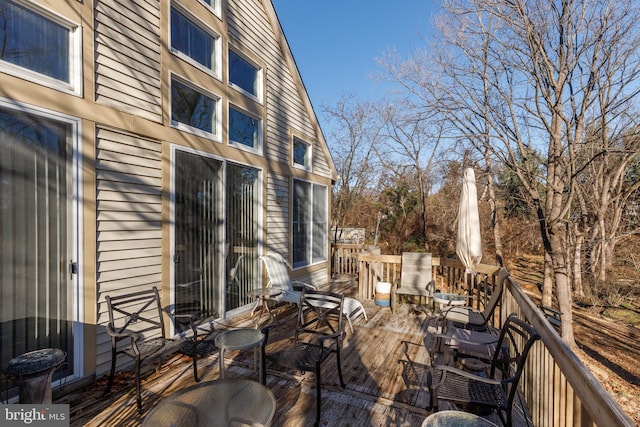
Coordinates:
column 344, row 258
column 558, row 388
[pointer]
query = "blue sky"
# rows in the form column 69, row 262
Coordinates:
column 335, row 43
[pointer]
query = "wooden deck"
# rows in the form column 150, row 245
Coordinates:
column 384, row 365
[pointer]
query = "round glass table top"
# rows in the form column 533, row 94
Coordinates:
column 449, row 299
column 456, row 419
column 225, row 402
column 264, row 292
column 239, row 339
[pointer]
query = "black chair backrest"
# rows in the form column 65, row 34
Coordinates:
column 496, row 296
column 139, row 311
column 516, row 339
column 320, row 313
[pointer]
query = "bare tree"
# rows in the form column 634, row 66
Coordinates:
column 414, row 141
column 522, row 79
column 354, row 135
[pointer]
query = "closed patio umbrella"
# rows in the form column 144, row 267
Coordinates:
column 468, row 242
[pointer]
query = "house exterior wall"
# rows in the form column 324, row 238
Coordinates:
column 124, row 108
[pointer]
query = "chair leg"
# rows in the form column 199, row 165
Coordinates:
column 342, row 384
column 138, row 387
column 195, row 360
column 350, row 325
column 318, row 394
column 113, row 372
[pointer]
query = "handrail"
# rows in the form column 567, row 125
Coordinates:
column 558, row 388
column 584, row 401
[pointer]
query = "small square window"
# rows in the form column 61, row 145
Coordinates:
column 39, row 46
column 214, row 5
column 194, row 42
column 193, row 109
column 301, row 154
column 245, row 76
column 244, row 129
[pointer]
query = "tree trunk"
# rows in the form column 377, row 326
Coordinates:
column 495, row 224
column 578, row 290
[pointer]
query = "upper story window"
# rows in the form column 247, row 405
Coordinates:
column 244, row 129
column 301, row 154
column 194, row 42
column 40, row 46
column 214, row 5
column 194, row 110
column 245, row 76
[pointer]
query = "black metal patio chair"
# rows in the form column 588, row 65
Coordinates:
column 137, row 330
column 498, row 390
column 467, row 317
column 319, row 333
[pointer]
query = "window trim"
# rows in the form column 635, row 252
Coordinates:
column 75, row 84
column 217, row 136
column 259, row 75
column 214, row 8
column 311, row 262
column 308, row 157
column 216, row 71
column 258, row 148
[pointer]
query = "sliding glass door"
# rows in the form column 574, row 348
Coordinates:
column 36, row 235
column 241, row 234
column 199, row 234
column 216, row 234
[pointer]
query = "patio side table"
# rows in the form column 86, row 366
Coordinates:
column 263, row 296
column 449, row 299
column 239, row 339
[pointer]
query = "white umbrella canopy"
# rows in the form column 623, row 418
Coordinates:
column 468, row 242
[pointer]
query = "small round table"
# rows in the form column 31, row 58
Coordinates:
column 232, row 401
column 263, row 296
column 456, row 419
column 239, row 339
column 449, row 299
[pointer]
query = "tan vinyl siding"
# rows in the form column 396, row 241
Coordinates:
column 128, row 221
column 277, row 233
column 249, row 26
column 320, row 164
column 127, row 57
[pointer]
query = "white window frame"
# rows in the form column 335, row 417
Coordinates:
column 258, row 97
column 214, row 7
column 217, row 126
column 74, row 86
column 309, row 241
column 258, row 148
column 308, row 158
column 216, row 71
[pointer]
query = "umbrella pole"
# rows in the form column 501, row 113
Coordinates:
column 468, row 276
